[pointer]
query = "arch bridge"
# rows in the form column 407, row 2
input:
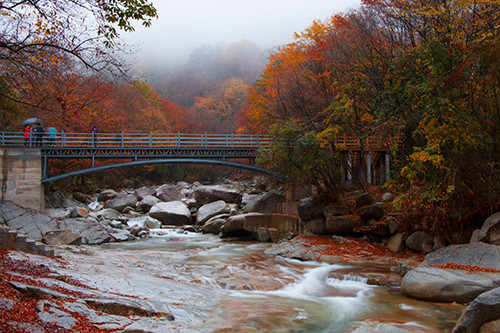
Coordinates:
column 24, row 161
column 142, row 149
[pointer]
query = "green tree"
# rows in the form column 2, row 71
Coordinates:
column 300, row 155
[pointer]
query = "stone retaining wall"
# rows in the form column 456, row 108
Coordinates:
column 21, row 177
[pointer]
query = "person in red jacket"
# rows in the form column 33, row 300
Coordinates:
column 27, row 134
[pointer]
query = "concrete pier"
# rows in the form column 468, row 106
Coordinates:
column 21, row 177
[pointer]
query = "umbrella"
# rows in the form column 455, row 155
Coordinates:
column 31, row 121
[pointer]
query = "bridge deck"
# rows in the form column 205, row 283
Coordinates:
column 113, row 142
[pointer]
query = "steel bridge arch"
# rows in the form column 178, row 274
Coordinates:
column 164, row 161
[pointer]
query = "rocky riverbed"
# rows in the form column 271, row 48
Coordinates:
column 298, row 226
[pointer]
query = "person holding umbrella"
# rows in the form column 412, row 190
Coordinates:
column 28, row 128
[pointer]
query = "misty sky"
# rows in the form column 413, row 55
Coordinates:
column 184, row 25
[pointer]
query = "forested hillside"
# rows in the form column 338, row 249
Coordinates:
column 421, row 74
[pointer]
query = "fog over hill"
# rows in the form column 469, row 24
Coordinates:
column 185, row 25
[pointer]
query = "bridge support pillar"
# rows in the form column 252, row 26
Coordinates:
column 387, row 167
column 21, row 177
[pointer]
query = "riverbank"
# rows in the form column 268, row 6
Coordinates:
column 101, row 289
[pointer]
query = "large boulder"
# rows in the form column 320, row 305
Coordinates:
column 144, row 191
column 168, row 192
column 285, row 224
column 420, row 241
column 213, row 226
column 147, row 202
column 368, row 212
column 209, row 194
column 364, row 199
column 210, row 210
column 484, row 309
column 310, row 209
column 447, row 285
column 475, row 254
column 236, row 222
column 396, row 243
column 269, row 202
column 62, row 237
column 489, row 232
column 106, row 195
column 171, row 213
column 119, row 203
column 340, row 225
column 90, row 231
column 317, row 226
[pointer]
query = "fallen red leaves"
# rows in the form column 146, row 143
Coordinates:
column 469, row 268
column 23, row 308
column 353, row 247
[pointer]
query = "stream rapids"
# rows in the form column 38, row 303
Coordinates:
column 214, row 285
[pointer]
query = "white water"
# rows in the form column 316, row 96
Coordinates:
column 211, row 285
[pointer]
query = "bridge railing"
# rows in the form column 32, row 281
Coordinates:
column 139, row 140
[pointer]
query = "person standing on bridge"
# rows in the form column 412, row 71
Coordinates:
column 94, row 132
column 39, row 133
column 27, row 134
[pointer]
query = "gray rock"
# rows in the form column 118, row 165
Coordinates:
column 475, row 254
column 62, row 237
column 485, row 308
column 120, row 203
column 127, row 306
column 116, row 224
column 168, row 192
column 109, row 214
column 387, row 197
column 364, row 199
column 106, row 195
column 447, row 285
column 269, row 202
column 490, row 231
column 396, row 243
column 310, row 209
column 118, row 235
column 338, row 225
column 317, row 226
column 171, row 213
column 416, row 241
column 209, row 194
column 213, row 226
column 335, row 210
column 235, row 223
column 91, row 233
column 144, row 222
column 147, row 202
column 78, row 212
column 207, row 211
column 144, row 191
column 49, row 312
column 368, row 212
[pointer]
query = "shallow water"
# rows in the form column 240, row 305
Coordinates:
column 211, row 285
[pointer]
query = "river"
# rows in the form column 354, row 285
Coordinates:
column 214, row 285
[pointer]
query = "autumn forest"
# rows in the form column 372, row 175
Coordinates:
column 423, row 75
